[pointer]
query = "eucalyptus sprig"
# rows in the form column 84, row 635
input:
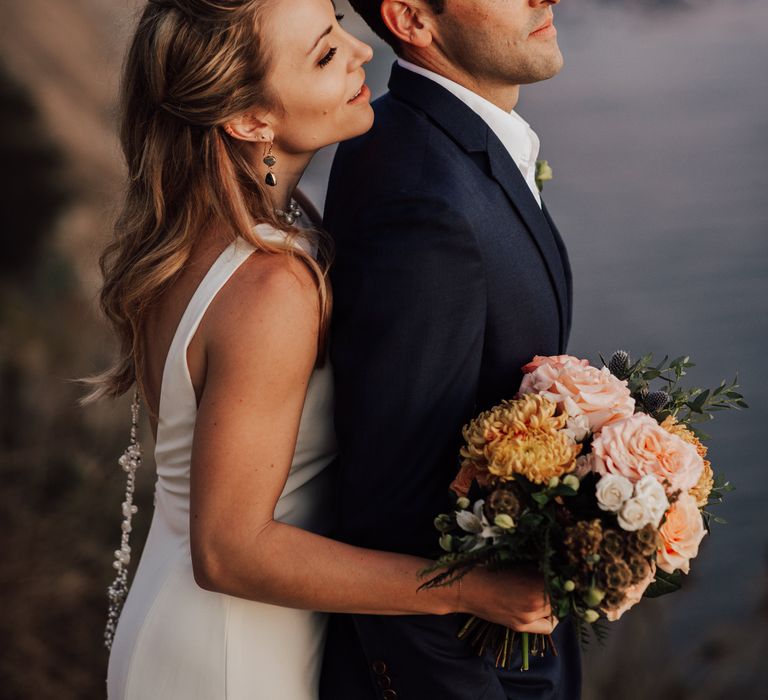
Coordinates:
column 720, row 487
column 687, row 405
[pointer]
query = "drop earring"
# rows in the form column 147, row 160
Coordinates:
column 269, row 161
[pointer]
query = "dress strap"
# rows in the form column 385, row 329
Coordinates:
column 177, row 399
column 217, row 276
column 177, row 395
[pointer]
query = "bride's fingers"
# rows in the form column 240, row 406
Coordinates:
column 544, row 625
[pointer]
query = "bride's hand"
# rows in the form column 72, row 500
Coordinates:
column 515, row 599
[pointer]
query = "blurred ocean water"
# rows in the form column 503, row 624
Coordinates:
column 657, row 131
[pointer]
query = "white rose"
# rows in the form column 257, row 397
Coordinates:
column 653, row 495
column 577, row 427
column 612, row 491
column 634, row 515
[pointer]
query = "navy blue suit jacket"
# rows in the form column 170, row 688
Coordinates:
column 448, row 278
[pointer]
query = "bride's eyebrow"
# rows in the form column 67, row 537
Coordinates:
column 325, row 33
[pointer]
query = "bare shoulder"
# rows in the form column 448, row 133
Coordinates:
column 270, row 303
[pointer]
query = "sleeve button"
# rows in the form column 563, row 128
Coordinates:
column 379, row 667
column 389, row 695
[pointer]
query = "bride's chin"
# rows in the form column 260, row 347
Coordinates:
column 364, row 122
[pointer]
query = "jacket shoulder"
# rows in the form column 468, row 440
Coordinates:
column 403, row 151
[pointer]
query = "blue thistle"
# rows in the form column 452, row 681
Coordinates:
column 619, row 364
column 657, row 400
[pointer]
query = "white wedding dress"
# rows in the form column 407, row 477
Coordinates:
column 176, row 641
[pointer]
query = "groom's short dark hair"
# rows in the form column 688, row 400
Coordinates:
column 370, row 11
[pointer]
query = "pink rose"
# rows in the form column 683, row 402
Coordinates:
column 557, row 360
column 638, row 446
column 634, row 595
column 578, row 388
column 681, row 535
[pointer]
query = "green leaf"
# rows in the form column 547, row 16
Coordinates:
column 665, row 583
column 563, row 490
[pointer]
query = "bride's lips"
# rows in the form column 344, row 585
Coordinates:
column 545, row 30
column 363, row 95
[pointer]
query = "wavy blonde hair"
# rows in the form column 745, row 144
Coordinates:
column 192, row 66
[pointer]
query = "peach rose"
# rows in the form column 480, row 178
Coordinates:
column 707, row 481
column 681, row 535
column 557, row 360
column 638, row 446
column 634, row 595
column 578, row 388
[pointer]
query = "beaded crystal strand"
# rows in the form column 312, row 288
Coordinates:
column 117, row 592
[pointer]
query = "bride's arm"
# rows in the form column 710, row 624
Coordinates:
column 260, row 336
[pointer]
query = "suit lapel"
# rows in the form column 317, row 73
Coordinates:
column 567, row 270
column 508, row 175
column 468, row 130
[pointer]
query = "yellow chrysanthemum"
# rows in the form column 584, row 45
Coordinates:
column 523, row 437
column 704, row 487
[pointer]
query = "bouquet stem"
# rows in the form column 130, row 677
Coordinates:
column 485, row 636
column 525, row 651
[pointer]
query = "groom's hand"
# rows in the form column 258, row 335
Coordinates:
column 516, row 599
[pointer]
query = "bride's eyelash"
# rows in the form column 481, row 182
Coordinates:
column 325, row 60
column 339, row 17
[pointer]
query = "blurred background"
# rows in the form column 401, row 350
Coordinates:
column 656, row 131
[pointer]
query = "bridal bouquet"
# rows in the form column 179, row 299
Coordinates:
column 592, row 477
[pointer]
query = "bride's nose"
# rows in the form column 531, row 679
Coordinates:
column 361, row 52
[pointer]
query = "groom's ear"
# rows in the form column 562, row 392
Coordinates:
column 409, row 21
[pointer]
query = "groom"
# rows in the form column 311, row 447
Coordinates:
column 449, row 276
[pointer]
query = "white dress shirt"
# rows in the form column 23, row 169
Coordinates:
column 513, row 131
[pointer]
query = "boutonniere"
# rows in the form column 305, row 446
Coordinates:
column 543, row 173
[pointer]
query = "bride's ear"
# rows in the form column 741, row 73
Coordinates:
column 408, row 20
column 250, row 127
